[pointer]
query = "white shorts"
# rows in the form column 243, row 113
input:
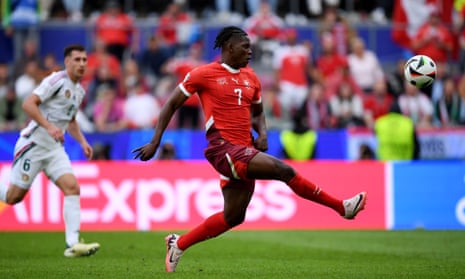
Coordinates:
column 31, row 158
column 292, row 96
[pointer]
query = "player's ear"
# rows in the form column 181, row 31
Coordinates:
column 229, row 46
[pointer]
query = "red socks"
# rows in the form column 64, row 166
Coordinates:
column 216, row 225
column 310, row 191
column 211, row 227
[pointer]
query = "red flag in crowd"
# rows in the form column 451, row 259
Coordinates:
column 409, row 15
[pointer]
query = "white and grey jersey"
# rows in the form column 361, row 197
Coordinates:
column 60, row 100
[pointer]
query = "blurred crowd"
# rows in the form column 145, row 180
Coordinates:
column 335, row 82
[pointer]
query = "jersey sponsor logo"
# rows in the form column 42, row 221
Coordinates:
column 235, row 80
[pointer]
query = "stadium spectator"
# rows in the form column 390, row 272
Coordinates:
column 163, row 90
column 346, row 107
column 20, row 19
column 45, row 8
column 316, row 110
column 365, row 152
column 336, row 74
column 108, row 110
column 49, row 64
column 74, row 9
column 5, row 79
column 299, row 142
column 435, row 91
column 12, row 115
column 103, row 75
column 232, row 150
column 52, row 107
column 292, row 66
column 334, row 24
column 153, row 57
column 131, row 76
column 317, row 7
column 167, row 152
column 174, row 27
column 264, row 24
column 224, row 11
column 58, row 11
column 234, row 11
column 377, row 103
column 460, row 33
column 328, row 62
column 396, row 136
column 25, row 83
column 116, row 29
column 461, row 88
column 100, row 57
column 433, row 39
column 265, row 29
column 364, row 65
column 190, row 112
column 102, row 152
column 449, row 109
column 395, row 79
column 29, row 52
column 87, row 126
column 272, row 109
column 141, row 108
column 254, row 6
column 416, row 105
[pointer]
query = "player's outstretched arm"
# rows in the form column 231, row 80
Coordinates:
column 175, row 101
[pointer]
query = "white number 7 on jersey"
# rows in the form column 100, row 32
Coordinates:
column 238, row 91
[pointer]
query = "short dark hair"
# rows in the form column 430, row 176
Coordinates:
column 226, row 33
column 72, row 47
column 395, row 107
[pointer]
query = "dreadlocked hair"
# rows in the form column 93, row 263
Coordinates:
column 226, row 34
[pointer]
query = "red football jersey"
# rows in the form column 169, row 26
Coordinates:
column 226, row 95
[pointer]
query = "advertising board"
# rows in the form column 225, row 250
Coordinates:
column 164, row 195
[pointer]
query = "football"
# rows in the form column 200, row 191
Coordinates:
column 420, row 70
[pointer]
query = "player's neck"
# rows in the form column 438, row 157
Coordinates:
column 75, row 80
column 229, row 68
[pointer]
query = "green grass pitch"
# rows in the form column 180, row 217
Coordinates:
column 242, row 254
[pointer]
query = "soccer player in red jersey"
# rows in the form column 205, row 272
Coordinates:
column 230, row 95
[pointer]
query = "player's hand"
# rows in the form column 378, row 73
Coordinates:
column 56, row 133
column 88, row 151
column 261, row 143
column 145, row 152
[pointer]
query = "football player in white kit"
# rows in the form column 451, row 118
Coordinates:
column 52, row 107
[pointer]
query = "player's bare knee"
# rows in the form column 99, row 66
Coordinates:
column 285, row 172
column 71, row 189
column 15, row 194
column 13, row 199
column 68, row 185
